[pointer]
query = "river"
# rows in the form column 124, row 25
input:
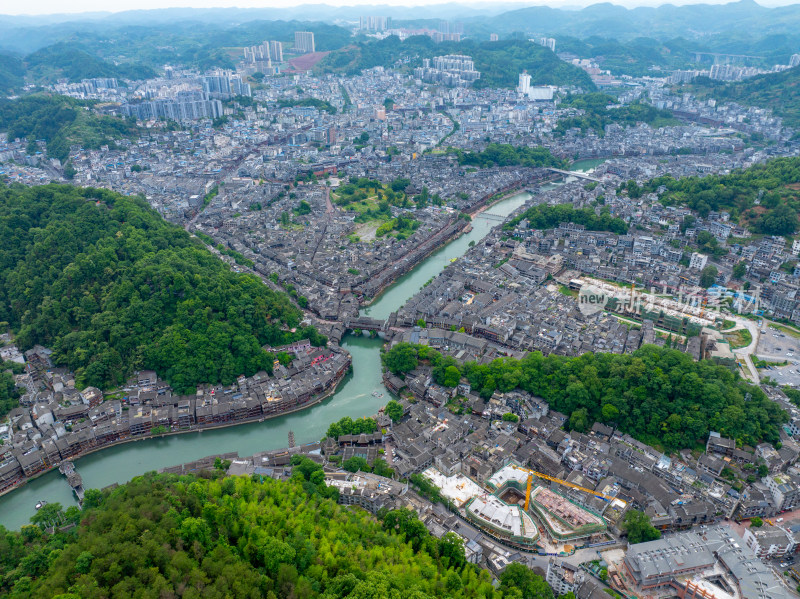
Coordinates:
column 353, row 398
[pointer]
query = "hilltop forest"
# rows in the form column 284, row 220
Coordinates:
column 500, row 63
column 61, row 121
column 764, row 198
column 112, row 287
column 657, row 395
column 779, row 92
column 169, row 536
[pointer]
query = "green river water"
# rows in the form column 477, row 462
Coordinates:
column 353, row 398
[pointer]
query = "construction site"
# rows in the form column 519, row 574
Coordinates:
column 710, row 564
column 521, row 512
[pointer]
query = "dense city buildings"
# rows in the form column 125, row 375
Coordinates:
column 555, row 227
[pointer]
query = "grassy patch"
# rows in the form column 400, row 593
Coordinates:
column 564, row 290
column 739, row 339
column 728, row 324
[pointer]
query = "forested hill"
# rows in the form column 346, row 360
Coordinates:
column 657, row 395
column 61, row 121
column 169, row 536
column 499, row 63
column 763, row 198
column 112, row 287
column 779, row 92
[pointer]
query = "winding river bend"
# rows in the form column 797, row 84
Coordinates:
column 353, row 398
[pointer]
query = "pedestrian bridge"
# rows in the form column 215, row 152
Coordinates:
column 365, row 323
column 489, row 216
column 574, row 174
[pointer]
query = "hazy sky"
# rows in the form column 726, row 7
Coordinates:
column 44, row 7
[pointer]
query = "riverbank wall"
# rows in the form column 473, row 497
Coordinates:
column 21, row 479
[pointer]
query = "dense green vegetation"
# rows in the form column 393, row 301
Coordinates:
column 765, row 197
column 315, row 102
column 12, row 73
column 507, row 155
column 634, row 57
column 401, row 227
column 111, row 287
column 394, row 410
column 500, row 63
column 9, row 394
column 660, row 396
column 64, row 60
column 170, row 536
column 549, row 217
column 186, row 39
column 637, row 526
column 779, row 92
column 348, row 426
column 61, row 122
column 599, row 111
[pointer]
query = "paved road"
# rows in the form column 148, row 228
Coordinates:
column 744, row 353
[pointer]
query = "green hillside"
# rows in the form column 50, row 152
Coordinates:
column 12, row 73
column 763, row 198
column 500, row 63
column 168, row 536
column 601, row 110
column 112, row 287
column 61, row 121
column 64, row 60
column 778, row 91
column 658, row 395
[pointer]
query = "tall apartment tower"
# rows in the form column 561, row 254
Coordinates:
column 304, row 42
column 524, row 86
column 276, row 50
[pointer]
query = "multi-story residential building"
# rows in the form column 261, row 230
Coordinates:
column 304, row 42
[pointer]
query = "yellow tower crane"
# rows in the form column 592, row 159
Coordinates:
column 532, row 473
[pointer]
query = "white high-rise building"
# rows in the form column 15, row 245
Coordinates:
column 794, row 60
column 698, row 261
column 524, row 86
column 276, row 50
column 304, row 42
column 374, row 23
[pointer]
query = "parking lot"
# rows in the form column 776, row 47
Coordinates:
column 777, row 346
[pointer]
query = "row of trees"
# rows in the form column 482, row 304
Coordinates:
column 112, row 287
column 771, row 185
column 543, row 216
column 658, row 395
column 348, row 426
column 164, row 535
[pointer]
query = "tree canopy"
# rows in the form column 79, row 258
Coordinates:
column 543, row 216
column 112, row 287
column 499, row 63
column 638, row 528
column 658, row 395
column 763, row 198
column 597, row 113
column 184, row 536
column 507, row 155
column 61, row 121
